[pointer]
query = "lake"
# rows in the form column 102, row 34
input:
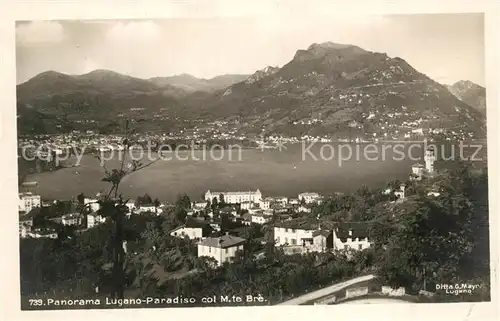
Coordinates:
column 298, row 168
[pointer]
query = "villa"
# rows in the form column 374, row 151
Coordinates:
column 71, row 219
column 260, row 219
column 417, row 171
column 235, row 197
column 222, row 249
column 43, row 233
column 92, row 203
column 309, row 197
column 94, row 219
column 25, row 225
column 28, row 201
column 194, row 229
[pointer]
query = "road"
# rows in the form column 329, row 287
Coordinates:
column 326, row 291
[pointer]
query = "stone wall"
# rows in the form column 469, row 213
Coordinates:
column 355, row 292
column 387, row 290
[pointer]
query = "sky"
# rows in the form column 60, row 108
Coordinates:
column 446, row 47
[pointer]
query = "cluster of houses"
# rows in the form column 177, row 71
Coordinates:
column 257, row 209
column 419, row 172
column 293, row 236
column 289, row 234
column 311, row 237
column 29, row 201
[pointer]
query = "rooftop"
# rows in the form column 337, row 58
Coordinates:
column 324, row 233
column 28, row 194
column 299, row 223
column 309, row 194
column 195, row 223
column 43, row 231
column 359, row 230
column 71, row 216
column 224, row 241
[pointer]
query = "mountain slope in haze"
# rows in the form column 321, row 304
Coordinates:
column 31, row 121
column 343, row 90
column 192, row 84
column 100, row 96
column 470, row 93
column 52, row 83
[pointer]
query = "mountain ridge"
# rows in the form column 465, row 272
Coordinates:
column 326, row 89
column 470, row 93
column 343, row 85
column 191, row 83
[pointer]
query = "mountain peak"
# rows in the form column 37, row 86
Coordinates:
column 49, row 74
column 316, row 51
column 330, row 45
column 470, row 93
column 184, row 77
column 465, row 84
column 259, row 74
column 102, row 73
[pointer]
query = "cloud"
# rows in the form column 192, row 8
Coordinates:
column 131, row 33
column 89, row 65
column 39, row 32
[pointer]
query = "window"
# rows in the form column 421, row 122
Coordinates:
column 209, row 249
column 226, row 250
column 360, row 246
column 278, row 239
column 294, row 242
column 293, row 230
column 346, row 247
column 286, row 239
column 286, row 230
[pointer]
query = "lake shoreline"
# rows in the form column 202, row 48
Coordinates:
column 274, row 172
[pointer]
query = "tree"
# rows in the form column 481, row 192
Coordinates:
column 81, row 199
column 113, row 205
column 215, row 206
column 180, row 215
column 222, row 202
column 152, row 234
column 183, row 201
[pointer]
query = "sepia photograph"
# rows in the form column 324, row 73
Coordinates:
column 252, row 161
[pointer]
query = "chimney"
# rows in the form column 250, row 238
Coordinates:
column 350, row 232
column 227, row 233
